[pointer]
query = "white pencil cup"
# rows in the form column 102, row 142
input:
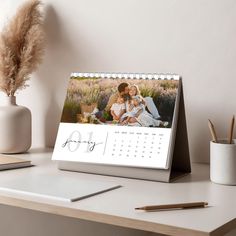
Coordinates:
column 223, row 162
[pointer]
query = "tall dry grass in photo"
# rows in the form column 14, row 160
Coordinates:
column 89, row 90
column 21, row 47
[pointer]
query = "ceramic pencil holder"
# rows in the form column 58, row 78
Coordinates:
column 223, row 162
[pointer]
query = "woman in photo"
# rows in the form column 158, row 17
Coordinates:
column 147, row 101
column 138, row 116
column 133, row 91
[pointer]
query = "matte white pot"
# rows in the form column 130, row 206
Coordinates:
column 15, row 127
column 223, row 162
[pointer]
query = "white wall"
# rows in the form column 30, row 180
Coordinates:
column 195, row 38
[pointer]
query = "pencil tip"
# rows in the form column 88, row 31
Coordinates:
column 209, row 122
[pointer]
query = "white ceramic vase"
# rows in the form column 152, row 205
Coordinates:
column 15, row 127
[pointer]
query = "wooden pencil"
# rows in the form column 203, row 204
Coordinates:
column 213, row 132
column 173, row 206
column 231, row 130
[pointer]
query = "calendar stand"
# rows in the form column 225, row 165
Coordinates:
column 181, row 159
column 179, row 162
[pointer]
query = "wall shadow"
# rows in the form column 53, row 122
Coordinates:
column 60, row 60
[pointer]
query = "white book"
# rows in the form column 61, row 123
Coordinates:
column 62, row 188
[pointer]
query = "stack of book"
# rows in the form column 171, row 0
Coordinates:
column 10, row 162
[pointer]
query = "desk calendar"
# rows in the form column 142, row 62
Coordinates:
column 122, row 124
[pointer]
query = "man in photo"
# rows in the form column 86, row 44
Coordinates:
column 122, row 91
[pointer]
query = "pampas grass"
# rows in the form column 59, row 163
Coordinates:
column 21, row 47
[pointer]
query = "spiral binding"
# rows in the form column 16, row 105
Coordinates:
column 144, row 76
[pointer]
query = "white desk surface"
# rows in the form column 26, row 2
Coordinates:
column 117, row 207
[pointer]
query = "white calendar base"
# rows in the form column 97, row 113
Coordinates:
column 120, row 171
column 115, row 145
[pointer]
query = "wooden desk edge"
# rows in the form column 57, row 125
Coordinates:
column 227, row 227
column 112, row 220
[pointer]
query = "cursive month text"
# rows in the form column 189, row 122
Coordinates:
column 91, row 144
column 74, row 141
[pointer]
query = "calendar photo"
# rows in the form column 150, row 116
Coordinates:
column 119, row 119
column 125, row 102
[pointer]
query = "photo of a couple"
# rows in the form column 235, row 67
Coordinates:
column 130, row 102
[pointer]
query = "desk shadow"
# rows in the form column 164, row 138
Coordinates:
column 39, row 151
column 200, row 173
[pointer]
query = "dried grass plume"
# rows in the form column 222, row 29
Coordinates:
column 21, row 47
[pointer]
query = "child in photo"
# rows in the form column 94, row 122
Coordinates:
column 136, row 108
column 118, row 109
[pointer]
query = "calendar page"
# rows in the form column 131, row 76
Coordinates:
column 119, row 119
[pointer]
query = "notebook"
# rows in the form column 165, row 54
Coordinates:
column 10, row 162
column 63, row 188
